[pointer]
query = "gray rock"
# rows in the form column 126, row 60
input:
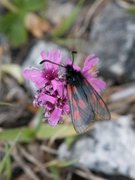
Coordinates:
column 34, row 58
column 113, row 39
column 109, row 148
column 58, row 10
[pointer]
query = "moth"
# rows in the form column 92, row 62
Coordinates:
column 86, row 105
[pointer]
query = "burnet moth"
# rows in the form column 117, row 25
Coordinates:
column 86, row 105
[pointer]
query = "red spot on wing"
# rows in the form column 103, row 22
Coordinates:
column 101, row 103
column 93, row 98
column 76, row 115
column 74, row 90
column 69, row 91
column 74, row 103
column 81, row 103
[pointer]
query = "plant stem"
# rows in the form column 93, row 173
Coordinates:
column 10, row 6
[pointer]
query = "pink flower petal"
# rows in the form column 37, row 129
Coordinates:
column 46, row 98
column 66, row 109
column 90, row 62
column 44, row 56
column 34, row 75
column 54, row 84
column 88, row 76
column 54, row 56
column 55, row 117
column 57, row 85
column 98, row 84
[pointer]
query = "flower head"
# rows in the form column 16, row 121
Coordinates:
column 52, row 94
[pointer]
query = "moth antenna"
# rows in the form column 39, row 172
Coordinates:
column 46, row 60
column 73, row 53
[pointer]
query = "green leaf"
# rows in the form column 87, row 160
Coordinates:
column 6, row 21
column 27, row 134
column 13, row 26
column 44, row 132
column 58, row 132
column 14, row 70
column 64, row 27
column 30, row 5
column 18, row 32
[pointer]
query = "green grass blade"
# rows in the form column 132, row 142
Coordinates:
column 8, row 152
column 38, row 120
column 64, row 27
column 8, row 166
column 55, row 171
column 2, row 103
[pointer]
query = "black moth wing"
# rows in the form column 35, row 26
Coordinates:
column 96, row 102
column 86, row 105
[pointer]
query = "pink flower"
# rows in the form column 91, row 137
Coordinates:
column 52, row 93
